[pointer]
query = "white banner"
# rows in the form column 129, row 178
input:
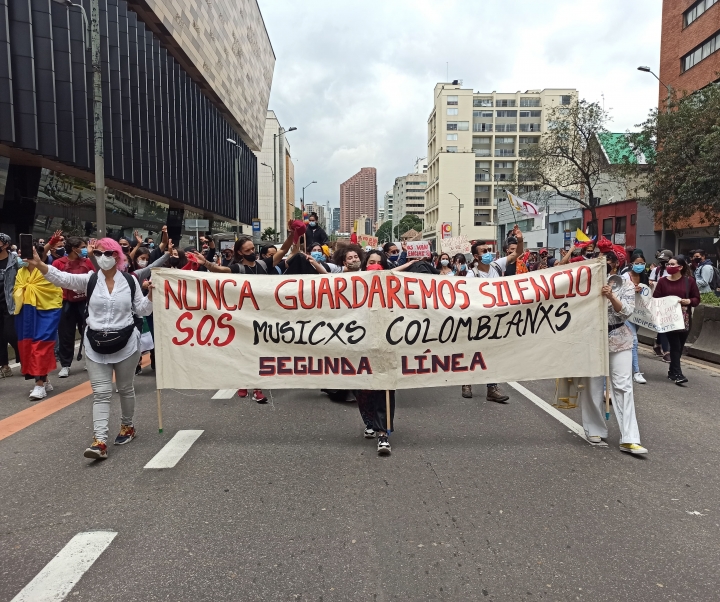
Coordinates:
column 456, row 244
column 661, row 315
column 377, row 330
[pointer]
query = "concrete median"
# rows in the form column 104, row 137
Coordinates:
column 707, row 345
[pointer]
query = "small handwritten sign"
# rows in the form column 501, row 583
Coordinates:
column 418, row 249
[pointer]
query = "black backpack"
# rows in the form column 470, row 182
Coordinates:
column 131, row 282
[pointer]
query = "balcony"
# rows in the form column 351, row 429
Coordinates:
column 506, row 127
column 530, row 127
column 482, row 177
column 504, row 152
column 482, row 152
column 482, row 127
column 482, row 102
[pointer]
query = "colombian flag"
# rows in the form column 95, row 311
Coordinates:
column 38, row 305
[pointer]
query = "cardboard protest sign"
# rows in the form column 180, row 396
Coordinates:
column 661, row 315
column 365, row 240
column 418, row 249
column 456, row 244
column 376, row 330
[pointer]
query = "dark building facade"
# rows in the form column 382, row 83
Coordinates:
column 166, row 152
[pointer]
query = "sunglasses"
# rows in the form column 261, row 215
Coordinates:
column 101, row 253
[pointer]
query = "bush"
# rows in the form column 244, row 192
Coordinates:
column 709, row 299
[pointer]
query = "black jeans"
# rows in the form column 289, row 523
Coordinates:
column 72, row 317
column 372, row 406
column 8, row 336
column 677, row 339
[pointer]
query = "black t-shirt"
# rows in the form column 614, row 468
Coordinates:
column 511, row 268
column 262, row 266
column 3, row 300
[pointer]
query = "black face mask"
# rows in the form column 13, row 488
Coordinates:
column 250, row 257
column 60, row 252
column 174, row 261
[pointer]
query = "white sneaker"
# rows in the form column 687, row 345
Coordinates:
column 64, row 372
column 38, row 393
column 594, row 438
column 48, row 386
column 369, row 433
column 639, row 378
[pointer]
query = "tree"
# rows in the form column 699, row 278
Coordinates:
column 298, row 213
column 269, row 234
column 408, row 222
column 384, row 232
column 569, row 159
column 683, row 178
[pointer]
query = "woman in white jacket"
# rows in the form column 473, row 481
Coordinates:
column 112, row 342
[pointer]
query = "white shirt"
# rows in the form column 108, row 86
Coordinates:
column 106, row 311
column 653, row 275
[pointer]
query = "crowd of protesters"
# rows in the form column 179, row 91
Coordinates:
column 104, row 286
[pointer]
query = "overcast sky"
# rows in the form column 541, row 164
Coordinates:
column 356, row 77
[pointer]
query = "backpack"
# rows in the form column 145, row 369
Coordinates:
column 714, row 283
column 131, row 283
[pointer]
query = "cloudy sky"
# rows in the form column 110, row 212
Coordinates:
column 356, row 77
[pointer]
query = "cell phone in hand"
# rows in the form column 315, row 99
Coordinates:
column 26, row 246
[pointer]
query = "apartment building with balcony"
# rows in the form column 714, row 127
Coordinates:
column 475, row 140
column 409, row 196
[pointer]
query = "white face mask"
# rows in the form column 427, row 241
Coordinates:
column 142, row 262
column 106, row 263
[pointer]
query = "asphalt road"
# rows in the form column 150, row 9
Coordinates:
column 287, row 501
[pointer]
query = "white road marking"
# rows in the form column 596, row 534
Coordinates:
column 60, row 575
column 225, row 394
column 175, row 449
column 554, row 412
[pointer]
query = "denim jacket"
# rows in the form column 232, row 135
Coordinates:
column 10, row 274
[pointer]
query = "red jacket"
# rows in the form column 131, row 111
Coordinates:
column 79, row 266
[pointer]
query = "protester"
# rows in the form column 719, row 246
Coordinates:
column 55, row 248
column 72, row 317
column 460, row 267
column 267, row 251
column 112, row 340
column 637, row 275
column 314, row 232
column 443, row 265
column 8, row 272
column 38, row 306
column 392, row 252
column 679, row 283
column 620, row 307
column 349, row 258
column 705, row 276
column 662, row 346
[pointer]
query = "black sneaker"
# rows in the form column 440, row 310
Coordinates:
column 138, row 369
column 383, row 446
column 680, row 380
column 672, row 376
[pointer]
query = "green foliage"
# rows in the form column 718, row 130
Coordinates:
column 384, row 232
column 298, row 213
column 269, row 234
column 709, row 299
column 683, row 176
column 408, row 222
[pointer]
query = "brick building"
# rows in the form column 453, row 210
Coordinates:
column 358, row 196
column 690, row 45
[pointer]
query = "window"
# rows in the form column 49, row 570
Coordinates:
column 700, row 53
column 529, row 102
column 482, row 152
column 452, row 111
column 633, row 219
column 452, row 136
column 462, row 126
column 506, row 113
column 504, row 140
column 482, row 114
column 565, row 100
column 696, row 10
column 530, row 113
column 482, row 127
column 482, row 177
column 481, row 140
column 482, row 188
column 529, row 127
column 482, row 164
column 620, row 224
column 452, row 149
column 452, row 100
column 504, row 152
column 482, row 102
column 607, row 227
column 505, row 103
column 503, row 164
column 555, row 228
column 572, row 225
column 529, row 140
column 506, row 127
column 452, row 126
column 482, row 201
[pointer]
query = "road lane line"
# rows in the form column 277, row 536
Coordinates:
column 554, row 412
column 43, row 409
column 225, row 394
column 60, row 575
column 175, row 449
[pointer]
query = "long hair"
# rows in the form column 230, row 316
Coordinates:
column 383, row 260
column 112, row 245
column 682, row 262
column 237, row 255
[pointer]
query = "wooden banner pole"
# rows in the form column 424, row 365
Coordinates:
column 387, row 409
column 159, row 406
column 607, row 398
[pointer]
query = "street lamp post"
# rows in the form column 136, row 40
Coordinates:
column 460, row 206
column 302, row 198
column 237, row 184
column 275, row 184
column 272, row 171
column 646, row 69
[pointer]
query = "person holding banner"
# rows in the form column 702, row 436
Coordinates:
column 112, row 340
column 637, row 276
column 679, row 283
column 620, row 306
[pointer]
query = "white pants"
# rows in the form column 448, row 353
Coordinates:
column 592, row 400
column 102, row 386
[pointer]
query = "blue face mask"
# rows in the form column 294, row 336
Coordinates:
column 311, row 224
column 21, row 263
column 393, row 257
column 151, row 245
column 487, row 258
column 462, row 267
column 83, row 252
column 638, row 268
column 317, row 255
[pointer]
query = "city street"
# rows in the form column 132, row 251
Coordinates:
column 287, row 501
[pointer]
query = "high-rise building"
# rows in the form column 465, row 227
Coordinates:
column 335, row 220
column 274, row 179
column 421, row 165
column 389, row 203
column 409, row 196
column 319, row 209
column 358, row 196
column 180, row 78
column 381, row 215
column 689, row 46
column 474, row 143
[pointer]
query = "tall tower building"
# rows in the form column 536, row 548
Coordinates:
column 358, row 196
column 475, row 141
